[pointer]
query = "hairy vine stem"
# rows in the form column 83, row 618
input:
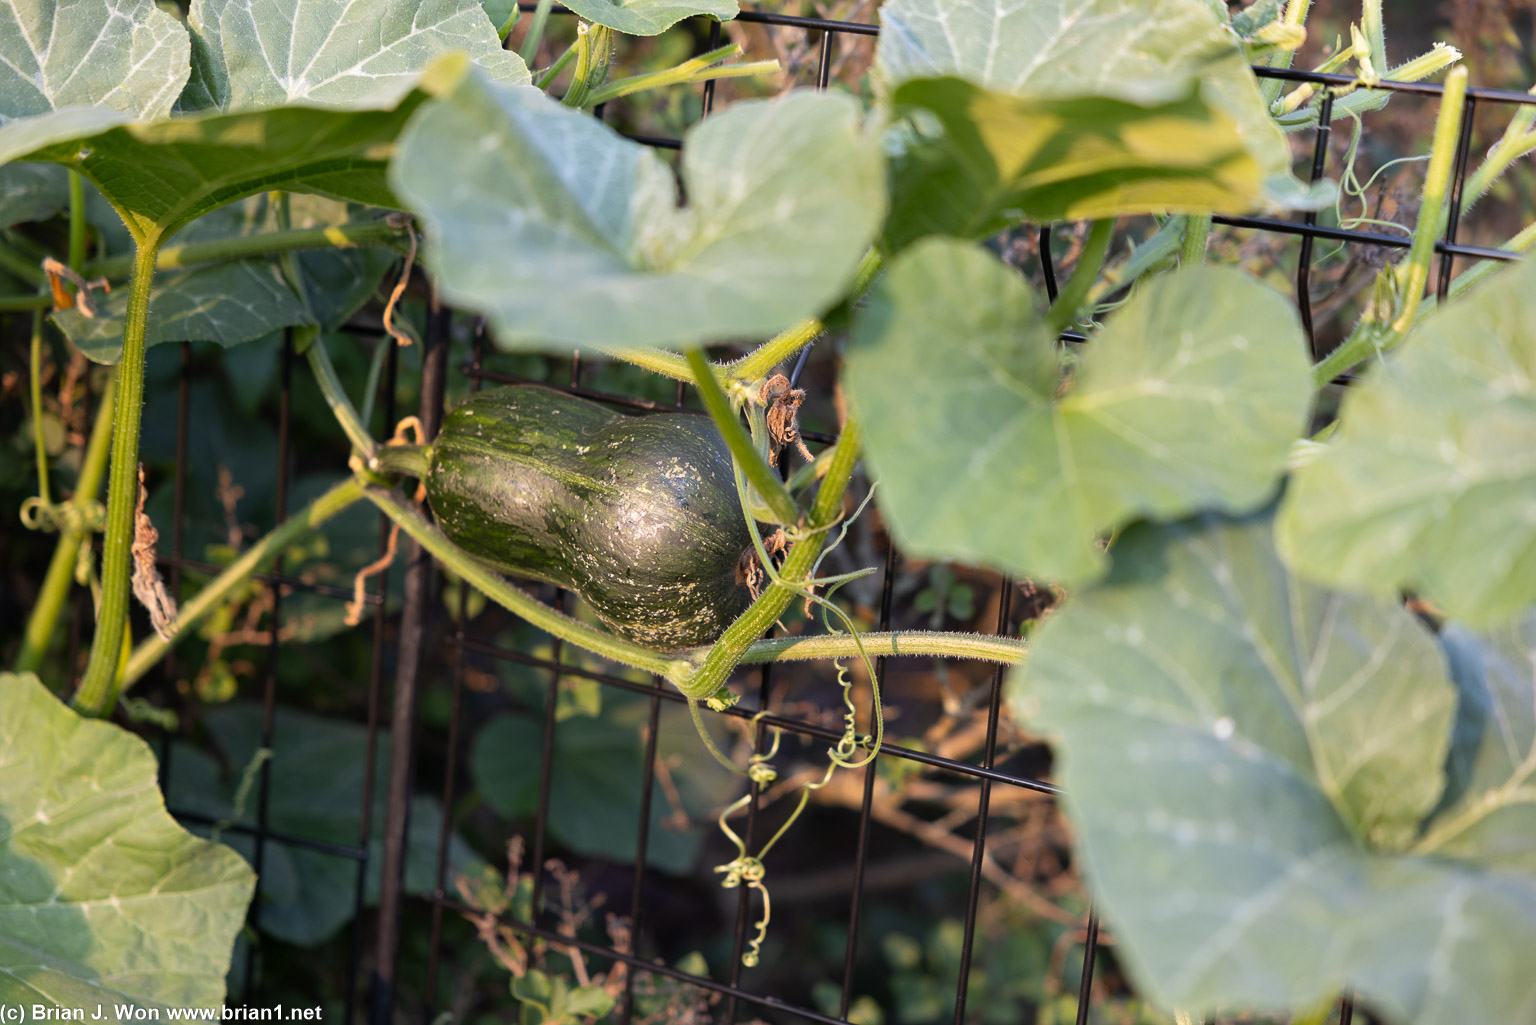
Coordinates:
column 255, row 558
column 271, row 243
column 1371, row 337
column 98, row 687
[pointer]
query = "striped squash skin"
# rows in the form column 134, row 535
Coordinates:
column 638, row 514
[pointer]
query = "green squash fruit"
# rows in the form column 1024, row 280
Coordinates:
column 637, row 514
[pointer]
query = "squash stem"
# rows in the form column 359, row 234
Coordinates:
column 767, row 483
column 98, row 690
column 1063, row 312
column 985, row 647
column 512, row 598
column 290, row 532
column 336, row 397
column 410, row 460
column 270, row 243
column 724, row 655
column 1371, row 337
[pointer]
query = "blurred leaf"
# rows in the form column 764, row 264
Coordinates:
column 564, row 233
column 598, row 766
column 1248, row 760
column 650, row 17
column 1430, row 483
column 1026, row 469
column 316, row 792
column 31, row 192
column 103, row 897
column 1038, row 110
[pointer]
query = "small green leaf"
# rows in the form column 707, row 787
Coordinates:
column 1044, row 111
column 76, row 68
column 650, row 17
column 1248, row 760
column 984, row 459
column 565, row 233
column 1430, row 482
column 103, row 898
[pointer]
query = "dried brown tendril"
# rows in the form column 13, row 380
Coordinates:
column 783, row 402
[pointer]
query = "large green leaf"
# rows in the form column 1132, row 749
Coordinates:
column 316, row 792
column 268, row 107
column 650, row 17
column 565, row 233
column 1189, row 399
column 104, row 899
column 331, row 53
column 1430, row 483
column 241, row 300
column 1047, row 110
column 595, row 785
column 1246, row 758
column 73, row 67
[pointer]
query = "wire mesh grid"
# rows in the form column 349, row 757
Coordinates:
column 410, row 662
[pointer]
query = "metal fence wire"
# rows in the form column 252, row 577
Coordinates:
column 374, row 949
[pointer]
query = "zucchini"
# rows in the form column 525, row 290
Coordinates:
column 637, row 514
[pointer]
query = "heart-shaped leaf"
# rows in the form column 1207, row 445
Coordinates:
column 331, row 53
column 267, row 107
column 76, row 68
column 104, row 899
column 1044, row 111
column 650, row 17
column 1248, row 759
column 1430, row 482
column 985, row 453
column 565, row 233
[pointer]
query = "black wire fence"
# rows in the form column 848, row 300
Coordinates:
column 374, row 941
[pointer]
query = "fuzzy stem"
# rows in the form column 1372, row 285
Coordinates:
column 1063, row 312
column 1368, row 338
column 727, row 652
column 336, row 397
column 290, row 532
column 345, row 236
column 98, row 691
column 36, row 390
column 1197, row 235
column 760, row 362
column 410, row 460
column 512, row 598
column 548, row 74
column 535, row 34
column 985, row 647
column 61, row 568
column 1295, row 15
column 698, row 69
column 22, row 303
column 767, row 483
column 77, row 224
